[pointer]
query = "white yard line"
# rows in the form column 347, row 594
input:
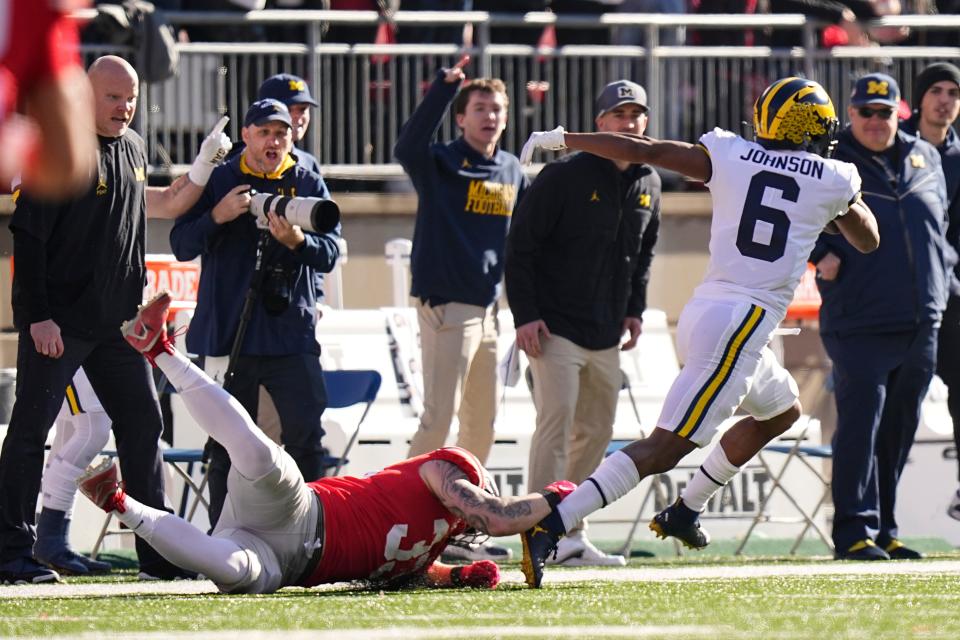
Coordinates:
column 513, row 576
column 410, row 633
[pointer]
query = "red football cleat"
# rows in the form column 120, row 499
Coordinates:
column 102, row 485
column 147, row 331
column 482, row 574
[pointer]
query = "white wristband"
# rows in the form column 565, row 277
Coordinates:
column 200, row 172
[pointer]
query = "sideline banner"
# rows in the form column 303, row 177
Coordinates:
column 806, row 299
column 181, row 279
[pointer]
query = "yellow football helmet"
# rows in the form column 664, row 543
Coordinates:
column 795, row 113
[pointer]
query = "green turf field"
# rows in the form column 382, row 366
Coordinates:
column 698, row 596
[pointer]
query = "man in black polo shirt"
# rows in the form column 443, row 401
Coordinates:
column 80, row 271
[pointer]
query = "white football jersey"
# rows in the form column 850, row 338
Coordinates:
column 769, row 207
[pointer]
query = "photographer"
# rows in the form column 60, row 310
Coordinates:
column 279, row 348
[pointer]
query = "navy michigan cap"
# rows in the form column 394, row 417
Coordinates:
column 876, row 88
column 267, row 110
column 288, row 89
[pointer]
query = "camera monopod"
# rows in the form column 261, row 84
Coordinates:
column 246, row 312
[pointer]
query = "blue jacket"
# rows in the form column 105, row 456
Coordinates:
column 228, row 255
column 464, row 206
column 950, row 157
column 903, row 283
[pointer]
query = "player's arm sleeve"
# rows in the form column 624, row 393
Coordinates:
column 413, row 142
column 850, row 189
column 641, row 276
column 318, row 250
column 714, row 145
column 533, row 219
column 195, row 232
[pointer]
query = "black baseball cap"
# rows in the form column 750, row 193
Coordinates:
column 620, row 92
column 288, row 89
column 267, row 110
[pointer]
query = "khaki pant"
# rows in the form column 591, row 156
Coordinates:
column 459, row 347
column 575, row 392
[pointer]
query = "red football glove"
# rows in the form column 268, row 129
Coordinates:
column 562, row 488
column 482, row 574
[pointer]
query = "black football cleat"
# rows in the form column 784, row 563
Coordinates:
column 538, row 543
column 677, row 521
column 899, row 551
column 865, row 549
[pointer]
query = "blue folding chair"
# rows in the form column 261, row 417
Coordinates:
column 345, row 388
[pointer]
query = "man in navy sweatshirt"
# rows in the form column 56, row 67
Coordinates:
column 936, row 106
column 467, row 190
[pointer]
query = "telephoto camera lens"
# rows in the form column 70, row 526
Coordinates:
column 311, row 214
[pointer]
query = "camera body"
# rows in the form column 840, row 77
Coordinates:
column 317, row 215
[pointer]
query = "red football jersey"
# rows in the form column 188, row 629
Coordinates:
column 386, row 525
column 37, row 41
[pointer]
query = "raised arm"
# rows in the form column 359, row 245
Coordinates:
column 682, row 157
column 484, row 511
column 172, row 201
column 418, row 131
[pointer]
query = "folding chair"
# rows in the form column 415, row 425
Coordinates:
column 345, row 388
column 810, row 456
column 804, row 308
column 173, row 458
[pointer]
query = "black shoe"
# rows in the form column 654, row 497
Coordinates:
column 538, row 543
column 899, row 551
column 26, row 571
column 95, row 566
column 682, row 523
column 56, row 554
column 61, row 559
column 52, row 548
column 866, row 549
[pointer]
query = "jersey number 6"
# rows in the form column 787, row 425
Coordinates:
column 755, row 211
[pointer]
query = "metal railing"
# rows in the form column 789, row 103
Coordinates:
column 366, row 91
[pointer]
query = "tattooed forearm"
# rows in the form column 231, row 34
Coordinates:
column 474, row 520
column 177, row 186
column 173, row 200
column 482, row 510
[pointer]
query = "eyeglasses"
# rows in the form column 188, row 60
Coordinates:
column 867, row 112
